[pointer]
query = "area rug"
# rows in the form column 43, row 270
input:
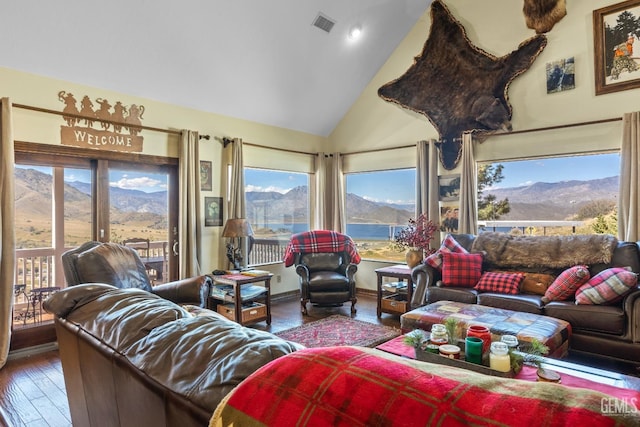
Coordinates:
column 339, row 330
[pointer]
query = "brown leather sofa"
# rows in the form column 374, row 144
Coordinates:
column 121, row 266
column 611, row 331
column 131, row 358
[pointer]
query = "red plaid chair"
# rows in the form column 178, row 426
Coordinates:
column 326, row 264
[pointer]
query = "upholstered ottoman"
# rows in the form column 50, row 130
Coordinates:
column 554, row 333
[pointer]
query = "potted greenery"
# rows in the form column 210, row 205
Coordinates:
column 531, row 354
column 415, row 339
column 416, row 238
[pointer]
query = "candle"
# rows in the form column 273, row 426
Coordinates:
column 499, row 358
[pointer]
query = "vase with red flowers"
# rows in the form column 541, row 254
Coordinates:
column 416, row 238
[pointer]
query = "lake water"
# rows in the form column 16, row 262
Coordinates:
column 363, row 231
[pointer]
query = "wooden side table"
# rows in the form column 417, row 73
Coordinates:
column 229, row 299
column 396, row 300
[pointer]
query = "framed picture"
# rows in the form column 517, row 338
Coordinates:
column 449, row 218
column 617, row 48
column 561, row 75
column 212, row 211
column 205, row 175
column 449, row 188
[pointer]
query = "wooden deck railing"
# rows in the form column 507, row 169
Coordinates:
column 267, row 251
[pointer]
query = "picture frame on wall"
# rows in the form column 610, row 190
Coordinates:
column 449, row 218
column 449, row 188
column 205, row 175
column 213, row 211
column 617, row 47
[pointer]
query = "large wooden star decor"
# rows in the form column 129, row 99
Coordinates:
column 458, row 86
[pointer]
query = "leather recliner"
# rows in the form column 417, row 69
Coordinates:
column 121, row 266
column 326, row 278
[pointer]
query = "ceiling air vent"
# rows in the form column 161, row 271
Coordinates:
column 323, row 22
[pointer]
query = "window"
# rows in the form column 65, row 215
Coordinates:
column 559, row 195
column 59, row 204
column 378, row 205
column 277, row 204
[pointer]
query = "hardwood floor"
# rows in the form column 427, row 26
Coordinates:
column 32, row 389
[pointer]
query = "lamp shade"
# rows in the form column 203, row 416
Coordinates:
column 238, row 227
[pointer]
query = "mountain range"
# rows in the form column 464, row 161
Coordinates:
column 541, row 201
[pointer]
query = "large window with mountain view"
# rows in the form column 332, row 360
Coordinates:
column 277, row 205
column 58, row 207
column 560, row 195
column 378, row 205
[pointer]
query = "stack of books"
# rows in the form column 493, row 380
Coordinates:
column 395, row 287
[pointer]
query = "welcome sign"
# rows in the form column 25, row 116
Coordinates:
column 119, row 124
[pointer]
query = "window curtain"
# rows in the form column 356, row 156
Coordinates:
column 237, row 208
column 236, row 203
column 468, row 219
column 189, row 223
column 628, row 202
column 330, row 187
column 427, row 181
column 7, row 239
column 318, row 214
column 426, row 199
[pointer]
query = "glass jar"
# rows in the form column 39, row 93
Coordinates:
column 439, row 334
column 511, row 341
column 450, row 351
column 499, row 359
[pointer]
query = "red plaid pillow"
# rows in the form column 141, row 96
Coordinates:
column 449, row 244
column 461, row 269
column 607, row 287
column 566, row 284
column 503, row 283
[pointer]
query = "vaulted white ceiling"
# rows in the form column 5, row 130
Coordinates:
column 257, row 60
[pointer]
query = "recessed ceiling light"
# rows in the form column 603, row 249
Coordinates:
column 355, row 32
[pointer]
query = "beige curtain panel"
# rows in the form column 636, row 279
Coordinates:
column 628, row 202
column 190, row 228
column 8, row 238
column 468, row 220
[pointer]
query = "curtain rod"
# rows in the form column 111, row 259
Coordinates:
column 226, row 141
column 112, row 122
column 593, row 122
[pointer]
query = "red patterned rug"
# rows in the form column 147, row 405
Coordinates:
column 339, row 330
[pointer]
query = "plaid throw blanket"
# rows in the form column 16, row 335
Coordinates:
column 320, row 241
column 352, row 386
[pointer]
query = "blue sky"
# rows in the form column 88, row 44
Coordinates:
column 129, row 180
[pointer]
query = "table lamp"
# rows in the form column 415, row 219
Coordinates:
column 236, row 228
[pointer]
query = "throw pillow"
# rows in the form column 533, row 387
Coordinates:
column 503, row 283
column 607, row 287
column 461, row 269
column 449, row 244
column 536, row 283
column 566, row 284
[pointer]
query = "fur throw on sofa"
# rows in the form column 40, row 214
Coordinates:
column 505, row 250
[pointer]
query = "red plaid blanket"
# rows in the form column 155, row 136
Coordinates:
column 351, row 386
column 320, row 241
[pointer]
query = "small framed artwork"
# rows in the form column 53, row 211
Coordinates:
column 617, row 48
column 212, row 211
column 449, row 188
column 561, row 75
column 449, row 218
column 205, row 176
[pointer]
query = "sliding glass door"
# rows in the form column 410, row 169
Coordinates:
column 63, row 201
